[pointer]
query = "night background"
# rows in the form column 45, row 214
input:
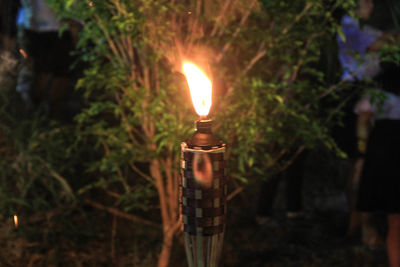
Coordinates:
column 94, row 106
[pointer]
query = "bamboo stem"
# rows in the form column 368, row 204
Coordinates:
column 188, row 248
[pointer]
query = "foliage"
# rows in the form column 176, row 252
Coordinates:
column 262, row 56
column 33, row 155
column 270, row 70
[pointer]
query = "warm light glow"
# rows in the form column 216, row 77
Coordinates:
column 200, row 88
column 23, row 53
column 15, row 220
column 202, row 169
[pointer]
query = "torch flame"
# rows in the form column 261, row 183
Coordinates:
column 15, row 220
column 23, row 53
column 200, row 88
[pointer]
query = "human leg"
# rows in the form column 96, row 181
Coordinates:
column 393, row 240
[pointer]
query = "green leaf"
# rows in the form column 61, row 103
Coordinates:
column 69, row 3
column 341, row 34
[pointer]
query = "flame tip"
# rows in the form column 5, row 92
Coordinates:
column 200, row 87
column 15, row 220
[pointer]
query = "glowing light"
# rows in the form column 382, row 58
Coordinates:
column 202, row 169
column 15, row 220
column 23, row 53
column 200, row 88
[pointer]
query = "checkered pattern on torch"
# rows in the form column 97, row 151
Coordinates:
column 203, row 204
column 203, row 207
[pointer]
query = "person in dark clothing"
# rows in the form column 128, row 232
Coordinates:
column 8, row 28
column 43, row 76
column 358, row 54
column 379, row 189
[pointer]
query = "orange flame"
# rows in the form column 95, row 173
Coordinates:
column 23, row 53
column 15, row 220
column 200, row 88
column 202, row 169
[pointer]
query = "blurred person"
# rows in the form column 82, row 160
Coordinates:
column 360, row 63
column 34, row 18
column 45, row 55
column 379, row 189
column 8, row 13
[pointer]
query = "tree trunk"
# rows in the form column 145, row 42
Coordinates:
column 169, row 213
column 168, row 238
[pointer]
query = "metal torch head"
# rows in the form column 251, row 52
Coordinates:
column 203, row 137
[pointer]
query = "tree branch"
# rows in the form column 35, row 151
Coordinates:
column 298, row 17
column 234, row 193
column 121, row 214
column 220, row 16
column 238, row 29
column 142, row 174
column 260, row 54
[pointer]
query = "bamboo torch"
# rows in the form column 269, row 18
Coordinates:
column 203, row 180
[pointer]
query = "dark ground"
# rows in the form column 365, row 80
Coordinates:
column 317, row 239
column 312, row 241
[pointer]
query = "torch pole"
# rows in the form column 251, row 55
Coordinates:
column 203, row 193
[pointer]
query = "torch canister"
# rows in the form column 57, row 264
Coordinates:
column 203, row 194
